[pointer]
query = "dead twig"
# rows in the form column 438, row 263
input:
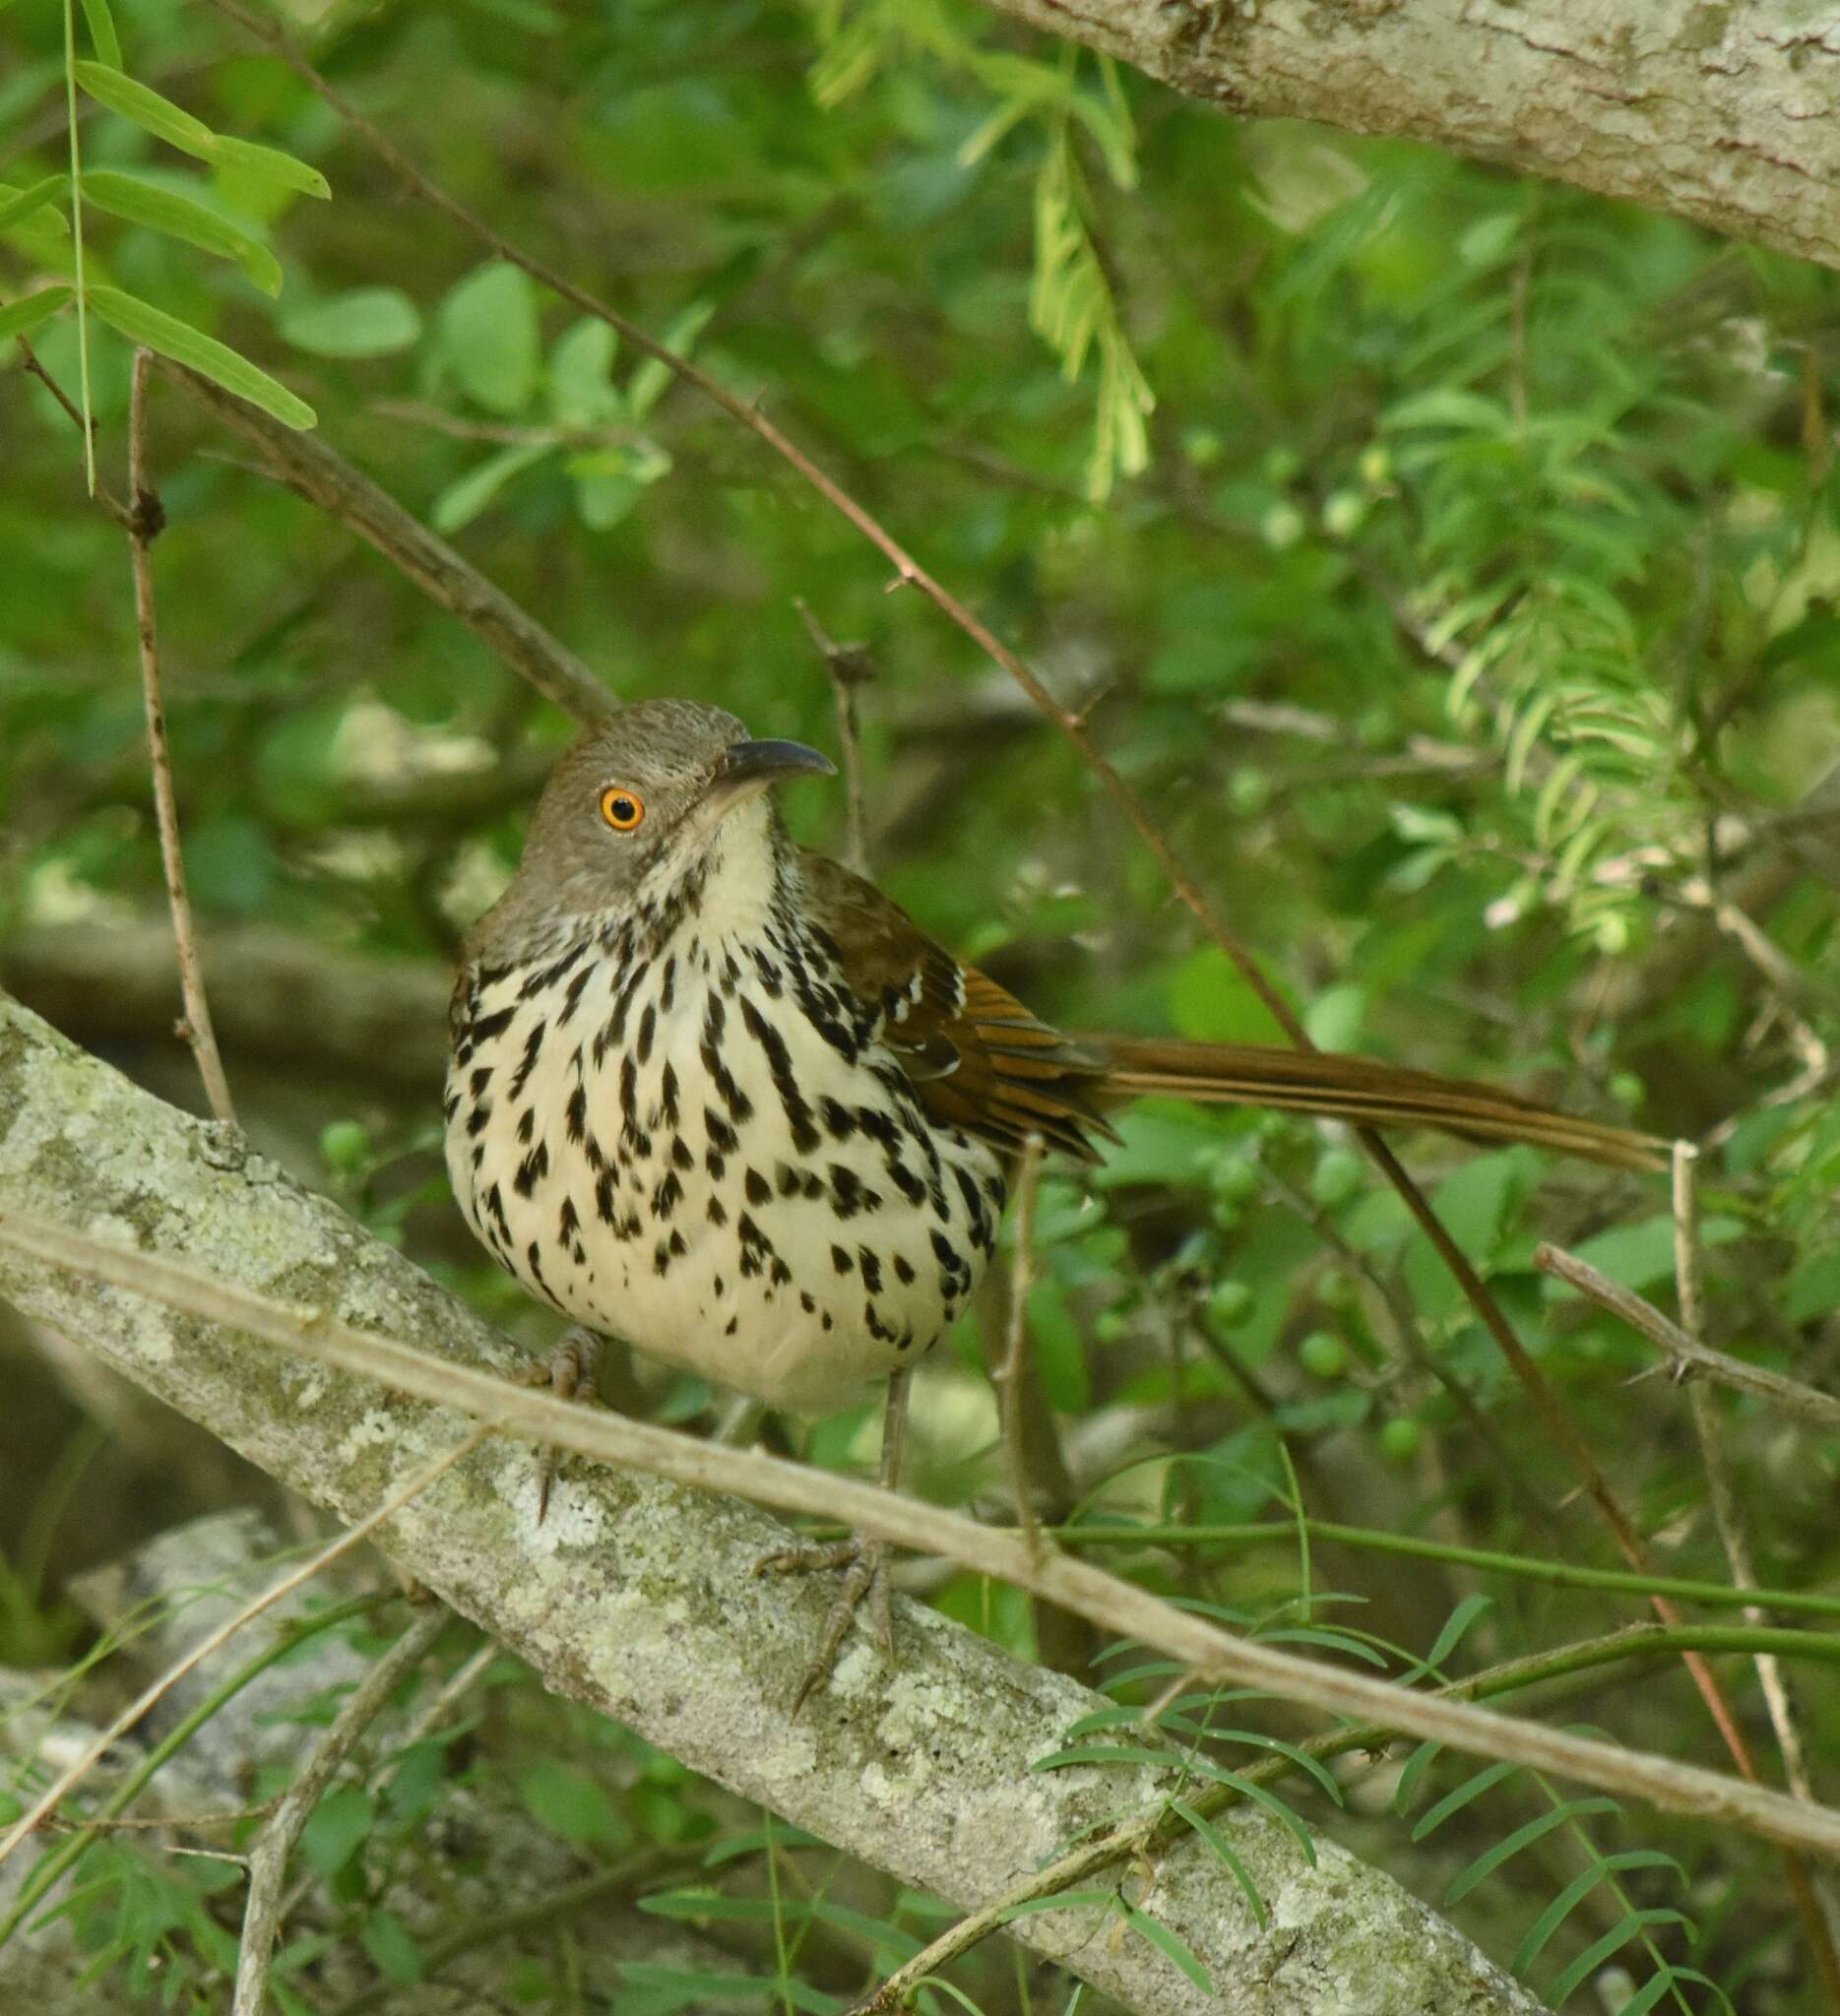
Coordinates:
column 267, row 1860
column 1811, row 1908
column 1009, row 1376
column 1807, row 1403
column 850, row 668
column 146, row 521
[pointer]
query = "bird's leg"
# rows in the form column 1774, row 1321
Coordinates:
column 862, row 1558
column 569, row 1374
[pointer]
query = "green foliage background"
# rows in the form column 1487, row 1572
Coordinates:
column 1449, row 559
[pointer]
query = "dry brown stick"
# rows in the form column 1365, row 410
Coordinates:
column 267, row 1860
column 1811, row 1908
column 848, row 667
column 146, row 518
column 324, row 477
column 1115, row 1605
column 1793, row 1395
column 75, row 1772
column 1010, row 1375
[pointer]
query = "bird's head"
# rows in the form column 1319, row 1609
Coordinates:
column 655, row 792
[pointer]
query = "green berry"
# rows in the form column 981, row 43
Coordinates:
column 1236, row 1180
column 1338, row 1290
column 345, row 1146
column 1322, row 1354
column 1248, row 792
column 1110, row 1325
column 1336, row 1177
column 1229, row 1306
column 1402, row 1438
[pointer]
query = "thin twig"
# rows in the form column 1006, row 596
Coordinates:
column 1010, row 1376
column 850, row 668
column 104, row 496
column 1115, row 1606
column 1809, row 1906
column 145, row 524
column 267, row 1860
column 451, row 1690
column 1793, row 1395
column 92, row 1753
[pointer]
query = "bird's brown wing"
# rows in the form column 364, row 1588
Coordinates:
column 981, row 1061
column 977, row 1057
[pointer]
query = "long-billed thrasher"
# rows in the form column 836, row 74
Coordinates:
column 712, row 1093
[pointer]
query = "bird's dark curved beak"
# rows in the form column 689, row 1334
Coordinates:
column 748, row 767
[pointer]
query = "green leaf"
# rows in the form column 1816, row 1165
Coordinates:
column 164, row 209
column 103, row 31
column 1228, row 1854
column 140, row 322
column 366, row 322
column 1173, row 1947
column 649, row 381
column 463, row 501
column 20, row 317
column 1212, row 1003
column 109, row 86
column 270, row 165
column 160, row 116
column 581, row 393
column 569, row 1804
column 337, row 1828
column 17, row 205
column 393, row 1947
column 1541, row 1824
column 489, row 337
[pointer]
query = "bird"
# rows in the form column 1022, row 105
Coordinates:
column 712, row 1093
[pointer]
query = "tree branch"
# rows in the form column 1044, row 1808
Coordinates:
column 1721, row 114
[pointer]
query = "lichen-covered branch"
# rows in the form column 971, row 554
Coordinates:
column 1717, row 112
column 640, row 1597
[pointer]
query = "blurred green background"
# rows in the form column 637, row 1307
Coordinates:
column 1448, row 560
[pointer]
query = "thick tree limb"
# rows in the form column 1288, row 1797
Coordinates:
column 641, row 1598
column 1721, row 113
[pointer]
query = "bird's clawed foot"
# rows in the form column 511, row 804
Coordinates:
column 569, row 1373
column 864, row 1559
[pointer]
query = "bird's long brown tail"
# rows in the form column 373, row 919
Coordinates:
column 1355, row 1088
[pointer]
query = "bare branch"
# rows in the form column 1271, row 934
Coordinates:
column 848, row 667
column 1811, row 1908
column 1808, row 1403
column 1009, row 1376
column 145, row 522
column 267, row 1861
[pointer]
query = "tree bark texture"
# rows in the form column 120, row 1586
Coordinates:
column 1724, row 112
column 640, row 1597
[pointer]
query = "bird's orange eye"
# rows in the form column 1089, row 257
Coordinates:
column 620, row 808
